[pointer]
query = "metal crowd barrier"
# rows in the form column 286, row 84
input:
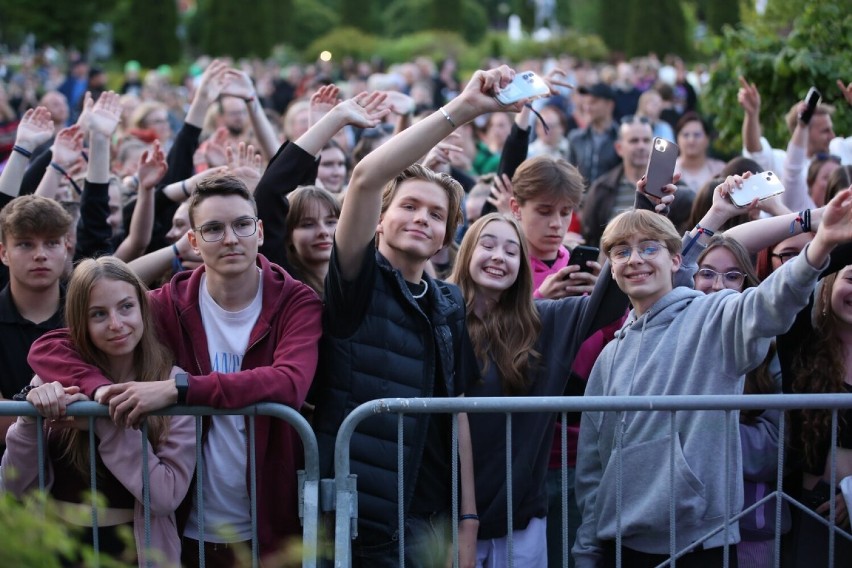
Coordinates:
column 309, row 477
column 346, row 483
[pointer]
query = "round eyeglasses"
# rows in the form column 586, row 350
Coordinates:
column 215, row 230
column 730, row 278
column 619, row 254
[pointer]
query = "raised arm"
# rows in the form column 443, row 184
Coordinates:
column 34, row 129
column 66, row 151
column 152, row 168
column 361, row 209
column 795, row 195
column 238, row 84
column 749, row 98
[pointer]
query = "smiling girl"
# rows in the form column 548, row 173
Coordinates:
column 311, row 223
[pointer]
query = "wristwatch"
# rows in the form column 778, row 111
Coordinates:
column 182, row 384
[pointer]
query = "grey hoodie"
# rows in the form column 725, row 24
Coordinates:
column 688, row 343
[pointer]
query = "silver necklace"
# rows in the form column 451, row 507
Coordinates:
column 423, row 293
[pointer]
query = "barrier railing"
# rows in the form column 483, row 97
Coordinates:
column 309, row 477
column 346, row 483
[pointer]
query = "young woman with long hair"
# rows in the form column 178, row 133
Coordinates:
column 524, row 348
column 111, row 326
column 311, row 223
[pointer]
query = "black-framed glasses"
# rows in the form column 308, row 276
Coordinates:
column 731, row 277
column 784, row 256
column 647, row 250
column 215, row 230
column 632, row 118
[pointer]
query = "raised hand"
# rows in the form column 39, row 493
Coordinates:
column 152, row 167
column 501, row 194
column 478, row 94
column 105, row 114
column 846, row 90
column 246, row 164
column 364, row 110
column 748, row 97
column 236, row 84
column 211, row 84
column 216, row 152
column 553, row 81
column 399, row 103
column 836, row 224
column 325, row 99
column 660, row 203
column 440, row 155
column 35, row 128
column 68, row 145
column 88, row 103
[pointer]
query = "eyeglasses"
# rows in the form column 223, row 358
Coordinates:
column 785, row 256
column 732, row 277
column 647, row 250
column 215, row 231
column 632, row 118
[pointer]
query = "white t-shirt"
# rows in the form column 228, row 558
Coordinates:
column 227, row 507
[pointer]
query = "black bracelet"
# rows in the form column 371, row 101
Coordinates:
column 470, row 517
column 183, row 187
column 22, row 396
column 22, row 151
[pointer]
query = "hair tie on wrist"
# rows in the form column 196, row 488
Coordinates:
column 183, row 187
column 22, row 151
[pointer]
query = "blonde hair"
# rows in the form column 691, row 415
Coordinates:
column 509, row 331
column 641, row 222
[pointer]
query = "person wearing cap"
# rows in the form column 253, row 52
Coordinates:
column 592, row 149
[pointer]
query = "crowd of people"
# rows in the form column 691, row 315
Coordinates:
column 323, row 236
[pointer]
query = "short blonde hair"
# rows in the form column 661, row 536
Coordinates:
column 641, row 222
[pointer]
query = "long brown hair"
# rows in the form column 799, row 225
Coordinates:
column 820, row 368
column 306, row 200
column 508, row 333
column 152, row 361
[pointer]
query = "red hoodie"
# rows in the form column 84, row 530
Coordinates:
column 278, row 366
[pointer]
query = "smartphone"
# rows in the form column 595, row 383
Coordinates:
column 580, row 254
column 661, row 166
column 811, row 100
column 759, row 186
column 526, row 85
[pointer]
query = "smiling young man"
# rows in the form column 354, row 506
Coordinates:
column 246, row 332
column 33, row 247
column 390, row 330
column 678, row 341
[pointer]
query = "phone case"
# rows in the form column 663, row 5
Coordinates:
column 526, row 85
column 759, row 186
column 661, row 166
column 582, row 253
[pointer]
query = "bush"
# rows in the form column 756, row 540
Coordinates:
column 403, row 17
column 783, row 68
column 342, row 42
column 581, row 46
column 434, row 44
column 311, row 20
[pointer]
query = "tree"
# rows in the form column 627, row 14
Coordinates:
column 722, row 12
column 783, row 67
column 238, row 29
column 613, row 22
column 403, row 17
column 146, row 32
column 67, row 24
column 658, row 27
column 358, row 14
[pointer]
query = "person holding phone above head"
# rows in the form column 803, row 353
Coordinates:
column 111, row 327
column 379, row 303
column 661, row 351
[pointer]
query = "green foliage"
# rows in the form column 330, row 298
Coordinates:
column 581, row 46
column 342, row 42
column 240, row 30
column 722, row 12
column 658, row 27
column 31, row 535
column 612, row 23
column 468, row 18
column 156, row 22
column 783, row 69
column 314, row 20
column 60, row 23
column 360, row 14
column 436, row 44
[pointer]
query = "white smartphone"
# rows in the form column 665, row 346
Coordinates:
column 526, row 85
column 759, row 186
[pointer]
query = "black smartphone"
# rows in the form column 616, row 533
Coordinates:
column 811, row 100
column 661, row 166
column 580, row 254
